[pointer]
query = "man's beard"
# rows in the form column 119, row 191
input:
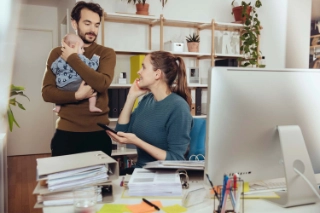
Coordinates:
column 83, row 36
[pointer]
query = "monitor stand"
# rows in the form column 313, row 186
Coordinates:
column 295, row 155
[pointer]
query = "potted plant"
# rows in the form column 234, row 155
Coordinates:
column 193, row 42
column 250, row 34
column 143, row 7
column 15, row 90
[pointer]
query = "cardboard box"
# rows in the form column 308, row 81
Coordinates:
column 173, row 46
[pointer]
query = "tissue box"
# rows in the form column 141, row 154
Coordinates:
column 173, row 46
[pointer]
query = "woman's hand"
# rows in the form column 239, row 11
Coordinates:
column 84, row 92
column 67, row 51
column 135, row 91
column 124, row 138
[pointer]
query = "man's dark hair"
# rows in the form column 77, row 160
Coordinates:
column 76, row 11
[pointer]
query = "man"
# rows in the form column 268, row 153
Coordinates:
column 76, row 128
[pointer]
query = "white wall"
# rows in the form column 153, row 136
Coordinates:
column 9, row 14
column 64, row 11
column 273, row 15
column 40, row 17
column 298, row 34
column 36, row 19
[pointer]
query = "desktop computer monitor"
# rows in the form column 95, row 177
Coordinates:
column 245, row 108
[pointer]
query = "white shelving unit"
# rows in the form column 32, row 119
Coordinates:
column 161, row 21
column 120, row 86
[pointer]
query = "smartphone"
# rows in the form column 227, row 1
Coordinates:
column 105, row 127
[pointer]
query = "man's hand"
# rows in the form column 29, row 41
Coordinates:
column 67, row 51
column 84, row 92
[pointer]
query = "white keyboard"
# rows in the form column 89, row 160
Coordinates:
column 276, row 184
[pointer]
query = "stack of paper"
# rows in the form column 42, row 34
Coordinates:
column 77, row 177
column 189, row 165
column 60, row 175
column 62, row 198
column 145, row 182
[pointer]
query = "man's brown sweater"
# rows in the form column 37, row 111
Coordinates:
column 74, row 115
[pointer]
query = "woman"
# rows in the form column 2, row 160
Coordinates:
column 160, row 125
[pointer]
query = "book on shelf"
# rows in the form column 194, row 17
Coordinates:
column 121, row 99
column 113, row 103
column 198, row 101
column 125, row 162
column 117, row 99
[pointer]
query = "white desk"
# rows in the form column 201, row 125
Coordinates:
column 250, row 206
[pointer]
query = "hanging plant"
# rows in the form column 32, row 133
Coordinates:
column 250, row 34
column 15, row 91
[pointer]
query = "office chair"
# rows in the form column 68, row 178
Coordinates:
column 198, row 140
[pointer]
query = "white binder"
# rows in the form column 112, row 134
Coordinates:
column 68, row 163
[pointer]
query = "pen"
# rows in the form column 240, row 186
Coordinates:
column 239, row 190
column 225, row 181
column 227, row 192
column 121, row 183
column 151, row 204
column 215, row 192
column 235, row 179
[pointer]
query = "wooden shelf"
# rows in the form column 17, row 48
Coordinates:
column 120, row 85
column 130, row 18
column 228, row 26
column 220, row 55
column 124, row 152
column 182, row 54
column 186, row 23
column 132, row 52
column 197, row 85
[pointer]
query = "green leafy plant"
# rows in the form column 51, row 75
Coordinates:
column 250, row 34
column 15, row 91
column 144, row 1
column 193, row 38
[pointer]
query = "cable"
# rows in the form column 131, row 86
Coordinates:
column 308, row 182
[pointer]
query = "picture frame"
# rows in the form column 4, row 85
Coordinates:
column 193, row 75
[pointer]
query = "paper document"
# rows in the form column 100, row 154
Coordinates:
column 73, row 172
column 190, row 165
column 83, row 182
column 162, row 183
column 78, row 176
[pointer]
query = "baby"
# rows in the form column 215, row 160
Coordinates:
column 67, row 78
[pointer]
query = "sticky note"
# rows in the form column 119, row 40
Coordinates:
column 144, row 207
column 174, row 209
column 113, row 208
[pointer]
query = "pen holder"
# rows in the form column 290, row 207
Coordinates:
column 233, row 199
